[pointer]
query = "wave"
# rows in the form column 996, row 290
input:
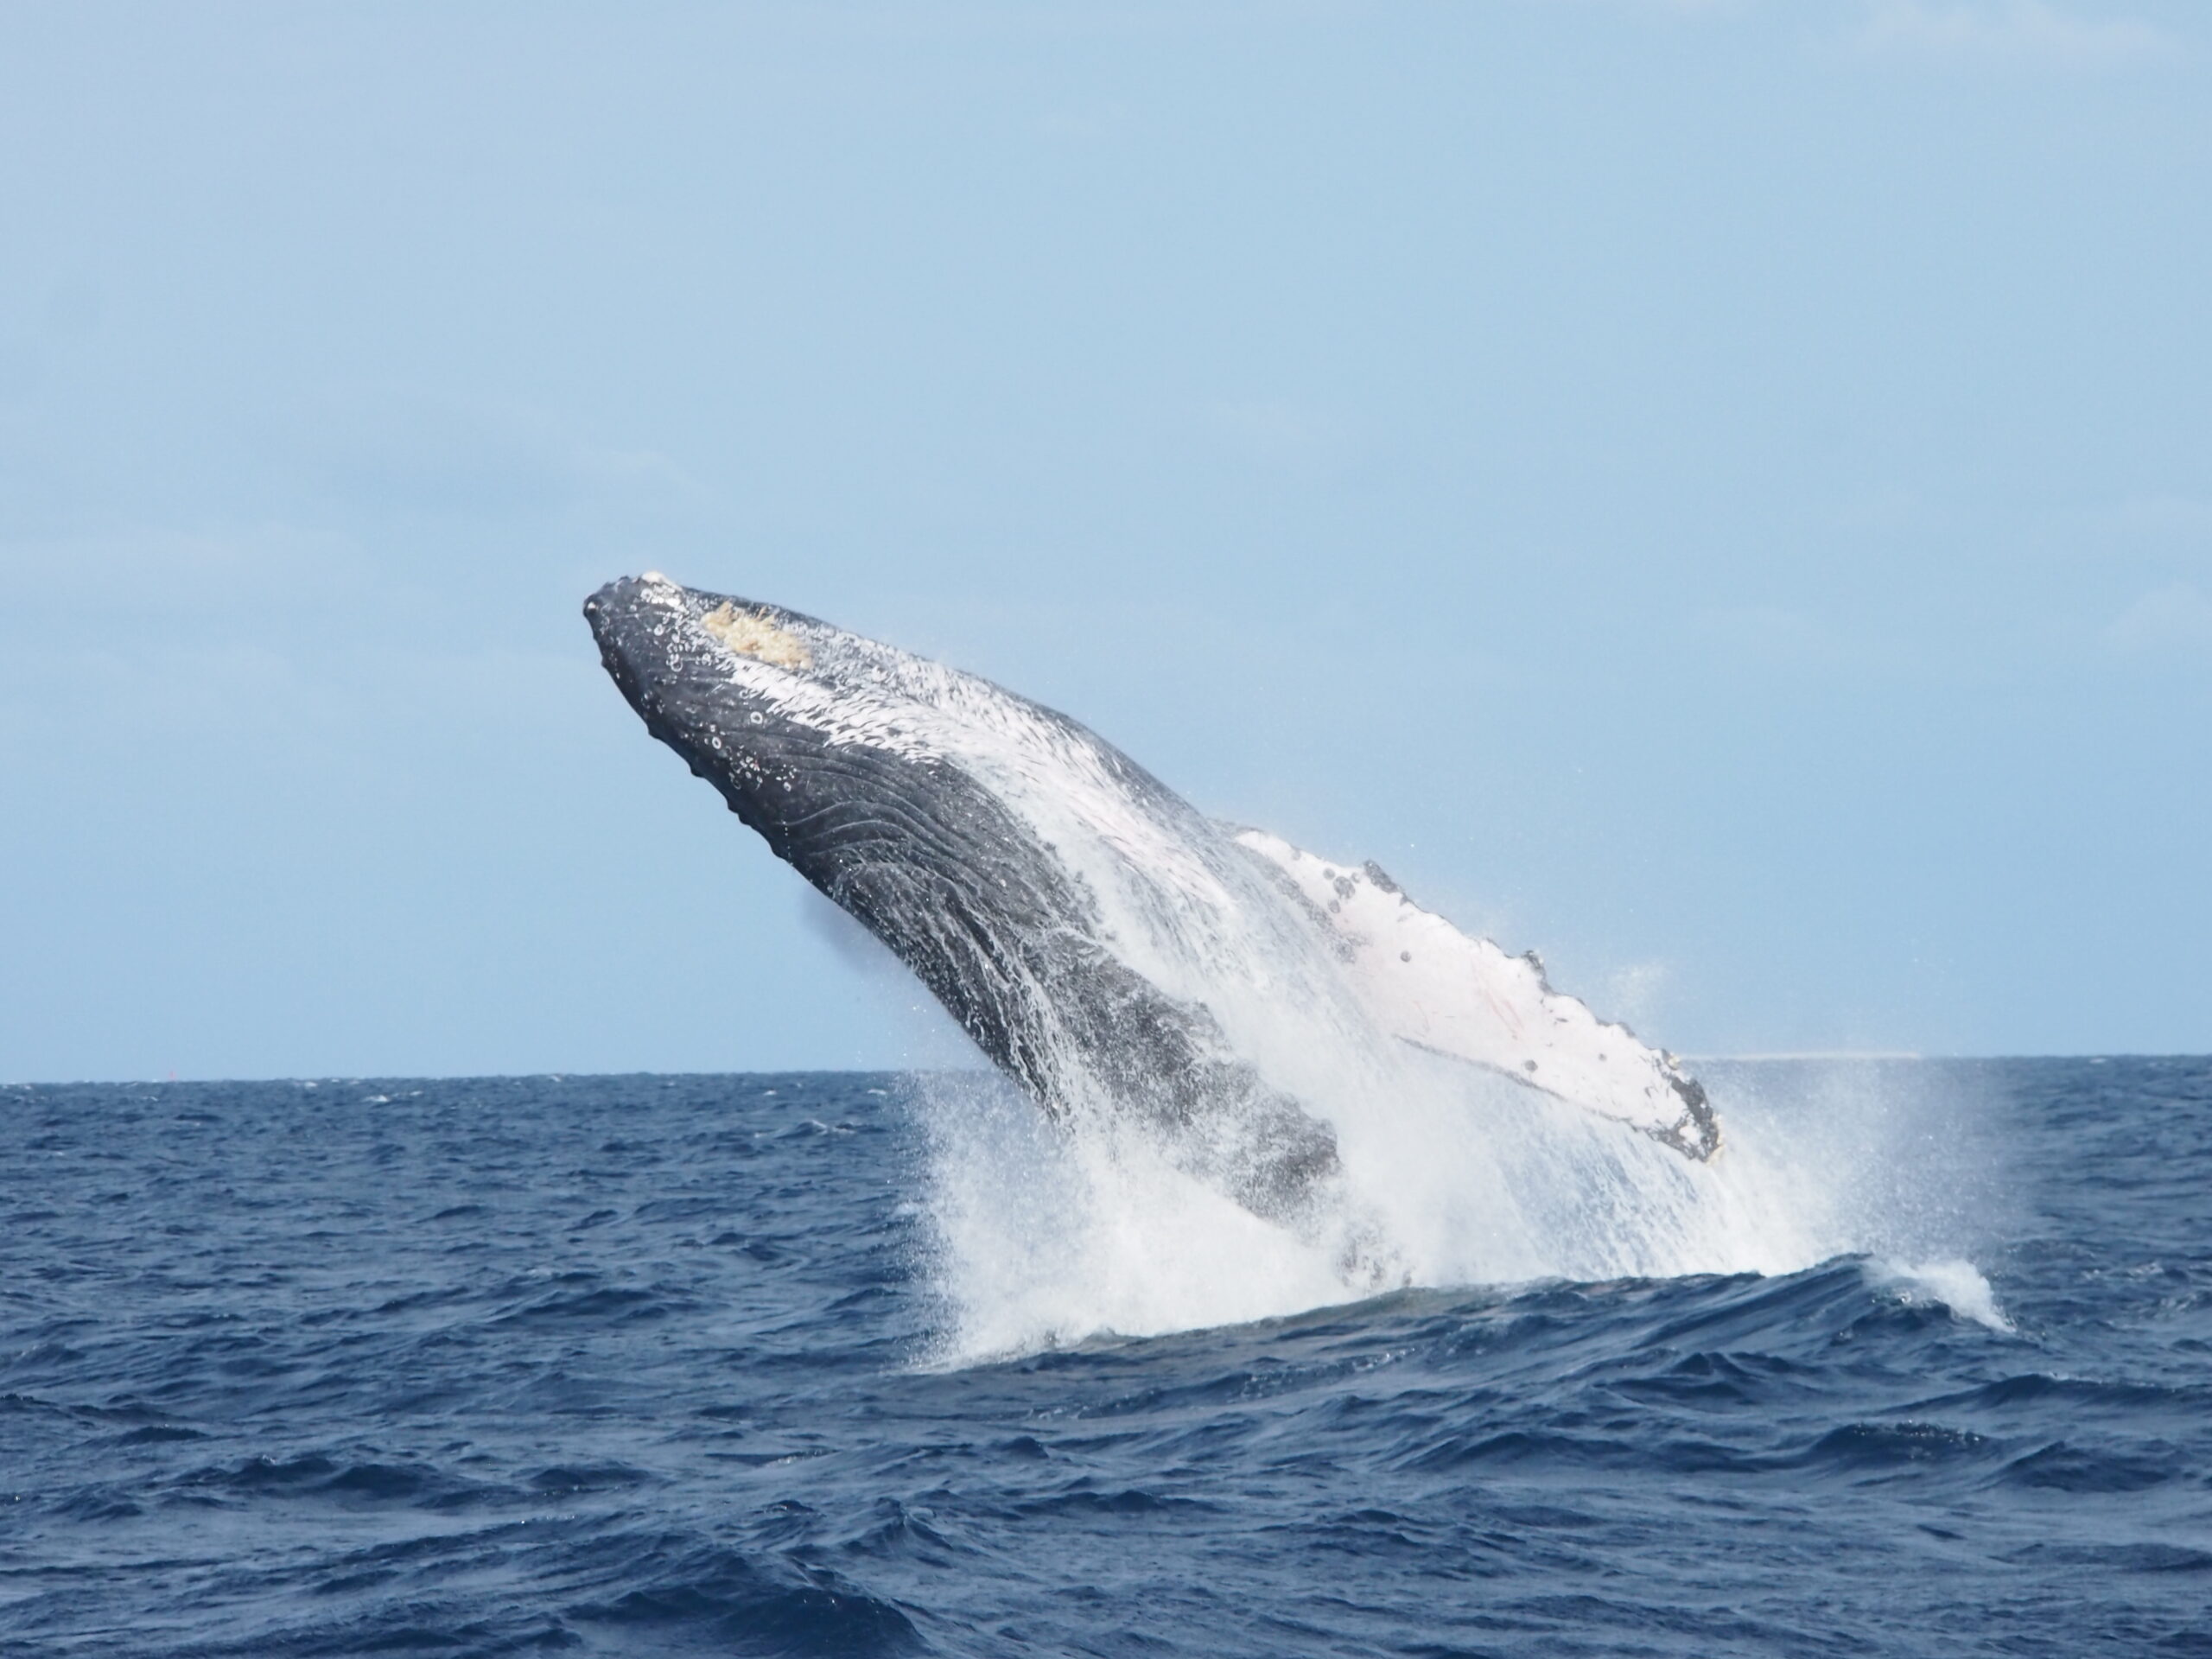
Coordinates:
column 1042, row 1236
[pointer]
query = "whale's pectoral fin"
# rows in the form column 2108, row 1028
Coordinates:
column 1429, row 984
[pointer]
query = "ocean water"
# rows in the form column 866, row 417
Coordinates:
column 846, row 1365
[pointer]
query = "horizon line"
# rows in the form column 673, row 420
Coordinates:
column 1795, row 1055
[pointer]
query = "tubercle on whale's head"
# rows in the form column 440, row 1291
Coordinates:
column 714, row 677
column 753, row 631
column 797, row 723
column 654, row 627
column 690, row 657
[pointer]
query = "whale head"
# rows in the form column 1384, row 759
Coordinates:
column 852, row 759
column 823, row 742
column 777, row 710
column 951, row 818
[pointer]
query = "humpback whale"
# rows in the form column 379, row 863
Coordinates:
column 1108, row 947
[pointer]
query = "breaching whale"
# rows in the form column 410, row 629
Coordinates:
column 1108, row 946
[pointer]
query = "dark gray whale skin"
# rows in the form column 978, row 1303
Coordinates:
column 964, row 894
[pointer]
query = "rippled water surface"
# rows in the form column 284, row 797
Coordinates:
column 661, row 1366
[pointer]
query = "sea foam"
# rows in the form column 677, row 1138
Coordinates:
column 1045, row 1234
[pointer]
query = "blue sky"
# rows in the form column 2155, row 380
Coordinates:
column 1721, row 494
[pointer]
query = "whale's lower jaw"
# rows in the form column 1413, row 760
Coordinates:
column 865, row 793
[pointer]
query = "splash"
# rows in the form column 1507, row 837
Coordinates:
column 1954, row 1283
column 1047, row 1236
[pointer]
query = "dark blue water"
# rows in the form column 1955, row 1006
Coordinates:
column 641, row 1366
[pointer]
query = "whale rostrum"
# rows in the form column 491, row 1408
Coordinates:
column 1106, row 946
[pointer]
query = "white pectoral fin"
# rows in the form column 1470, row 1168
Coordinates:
column 1427, row 983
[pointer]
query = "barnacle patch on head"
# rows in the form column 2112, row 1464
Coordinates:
column 750, row 633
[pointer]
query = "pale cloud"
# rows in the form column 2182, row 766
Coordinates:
column 131, row 577
column 1635, row 992
column 1891, row 508
column 264, row 630
column 1279, row 432
column 2024, row 30
column 426, row 454
column 2173, row 622
column 1687, row 7
column 1094, row 121
column 2179, row 516
column 1768, row 635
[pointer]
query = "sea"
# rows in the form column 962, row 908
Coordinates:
column 861, row 1364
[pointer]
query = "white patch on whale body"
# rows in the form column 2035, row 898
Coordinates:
column 1428, row 984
